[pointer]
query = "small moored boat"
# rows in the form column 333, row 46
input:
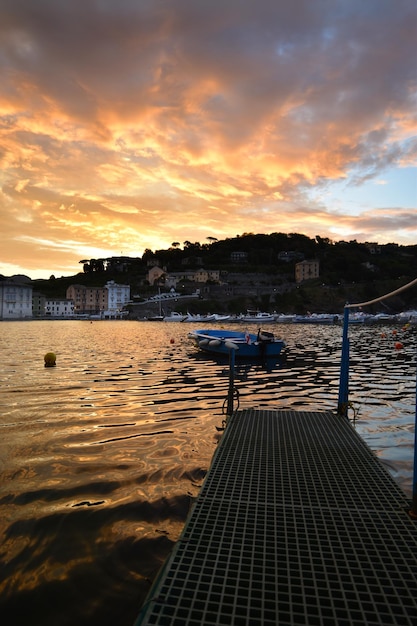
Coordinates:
column 220, row 341
column 258, row 317
column 316, row 318
column 174, row 316
column 218, row 317
column 194, row 317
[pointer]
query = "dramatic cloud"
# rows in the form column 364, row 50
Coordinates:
column 129, row 125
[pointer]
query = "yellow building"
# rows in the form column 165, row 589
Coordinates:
column 305, row 270
column 88, row 299
column 155, row 274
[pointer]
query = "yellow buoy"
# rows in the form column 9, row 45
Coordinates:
column 50, row 359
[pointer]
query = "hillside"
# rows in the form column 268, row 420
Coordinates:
column 264, row 276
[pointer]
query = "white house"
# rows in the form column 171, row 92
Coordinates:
column 59, row 308
column 118, row 297
column 15, row 300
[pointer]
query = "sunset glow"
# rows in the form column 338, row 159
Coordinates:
column 131, row 125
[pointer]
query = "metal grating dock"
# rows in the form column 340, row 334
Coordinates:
column 297, row 523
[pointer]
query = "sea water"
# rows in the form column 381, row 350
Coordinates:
column 102, row 455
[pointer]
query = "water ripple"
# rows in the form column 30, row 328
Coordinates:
column 103, row 455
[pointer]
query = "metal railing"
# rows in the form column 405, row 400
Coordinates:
column 343, row 400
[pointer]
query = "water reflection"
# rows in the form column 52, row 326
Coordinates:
column 101, row 457
column 266, row 364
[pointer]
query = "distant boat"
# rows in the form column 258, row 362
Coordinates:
column 283, row 318
column 359, row 317
column 210, row 317
column 316, row 318
column 258, row 317
column 174, row 317
column 221, row 318
column 247, row 345
column 382, row 318
column 190, row 317
column 407, row 317
column 160, row 316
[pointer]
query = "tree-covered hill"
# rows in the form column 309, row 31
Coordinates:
column 348, row 270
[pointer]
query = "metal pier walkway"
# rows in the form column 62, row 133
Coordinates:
column 297, row 523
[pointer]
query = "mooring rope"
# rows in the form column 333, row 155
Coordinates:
column 388, row 295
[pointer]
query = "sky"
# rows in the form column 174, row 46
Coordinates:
column 128, row 125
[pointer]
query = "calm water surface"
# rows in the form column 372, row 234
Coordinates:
column 101, row 456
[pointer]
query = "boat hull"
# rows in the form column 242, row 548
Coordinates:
column 245, row 345
column 174, row 317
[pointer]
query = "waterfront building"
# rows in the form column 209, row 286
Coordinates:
column 15, row 300
column 117, row 297
column 38, row 304
column 88, row 300
column 59, row 308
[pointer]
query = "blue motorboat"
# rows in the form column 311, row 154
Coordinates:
column 263, row 344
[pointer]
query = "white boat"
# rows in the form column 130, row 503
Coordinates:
column 382, row 318
column 407, row 317
column 190, row 317
column 160, row 316
column 174, row 317
column 359, row 317
column 317, row 318
column 258, row 317
column 285, row 318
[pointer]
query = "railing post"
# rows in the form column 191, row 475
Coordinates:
column 230, row 394
column 342, row 407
